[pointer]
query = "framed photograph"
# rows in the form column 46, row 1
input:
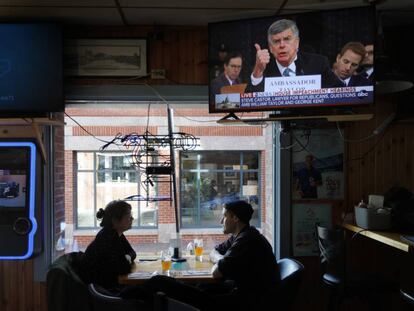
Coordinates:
column 105, row 57
column 318, row 169
column 228, row 171
column 305, row 216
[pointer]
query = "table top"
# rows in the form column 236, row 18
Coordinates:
column 189, row 271
column 387, row 237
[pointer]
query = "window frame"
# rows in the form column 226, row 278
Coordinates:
column 198, row 170
column 95, row 171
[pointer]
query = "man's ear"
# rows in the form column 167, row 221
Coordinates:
column 338, row 57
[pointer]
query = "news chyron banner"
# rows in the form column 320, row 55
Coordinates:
column 284, row 92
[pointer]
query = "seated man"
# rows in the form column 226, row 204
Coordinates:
column 347, row 62
column 246, row 257
column 230, row 76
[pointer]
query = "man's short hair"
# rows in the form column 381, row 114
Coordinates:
column 241, row 209
column 282, row 25
column 231, row 56
column 356, row 47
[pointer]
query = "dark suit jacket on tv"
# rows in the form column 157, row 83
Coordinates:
column 306, row 64
column 359, row 80
column 364, row 75
column 219, row 82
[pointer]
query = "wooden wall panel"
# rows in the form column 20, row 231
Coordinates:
column 381, row 162
column 18, row 291
column 180, row 50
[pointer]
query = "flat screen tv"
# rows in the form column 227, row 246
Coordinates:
column 30, row 68
column 293, row 62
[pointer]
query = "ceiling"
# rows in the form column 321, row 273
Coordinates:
column 179, row 12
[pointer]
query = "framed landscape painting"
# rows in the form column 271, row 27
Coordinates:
column 105, row 57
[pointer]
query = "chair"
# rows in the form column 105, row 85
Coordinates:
column 104, row 300
column 164, row 303
column 407, row 294
column 64, row 288
column 291, row 272
column 339, row 281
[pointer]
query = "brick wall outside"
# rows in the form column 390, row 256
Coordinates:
column 69, row 174
column 222, row 131
column 263, row 183
column 112, row 130
column 58, row 178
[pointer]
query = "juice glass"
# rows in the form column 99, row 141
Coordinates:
column 165, row 262
column 198, row 249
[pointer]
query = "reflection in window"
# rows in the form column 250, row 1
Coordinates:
column 210, row 179
column 103, row 177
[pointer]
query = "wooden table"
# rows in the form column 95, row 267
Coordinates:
column 390, row 238
column 190, row 271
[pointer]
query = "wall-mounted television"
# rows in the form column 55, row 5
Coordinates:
column 292, row 62
column 30, row 68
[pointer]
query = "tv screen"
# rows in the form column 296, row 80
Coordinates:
column 30, row 68
column 14, row 167
column 314, row 60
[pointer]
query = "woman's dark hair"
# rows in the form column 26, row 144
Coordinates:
column 113, row 210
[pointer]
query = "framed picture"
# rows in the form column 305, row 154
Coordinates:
column 305, row 216
column 228, row 171
column 105, row 57
column 318, row 168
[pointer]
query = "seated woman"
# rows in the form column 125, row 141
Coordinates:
column 110, row 254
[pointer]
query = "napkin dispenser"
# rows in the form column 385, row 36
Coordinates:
column 373, row 218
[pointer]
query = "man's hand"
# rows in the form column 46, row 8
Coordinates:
column 216, row 272
column 262, row 59
column 215, row 256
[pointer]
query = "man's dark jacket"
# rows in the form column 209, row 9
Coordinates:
column 306, row 64
column 219, row 82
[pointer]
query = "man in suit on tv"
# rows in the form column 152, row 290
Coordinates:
column 287, row 60
column 367, row 64
column 232, row 68
column 347, row 62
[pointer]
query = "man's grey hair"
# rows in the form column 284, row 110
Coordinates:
column 282, row 25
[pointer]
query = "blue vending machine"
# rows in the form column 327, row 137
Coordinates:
column 18, row 199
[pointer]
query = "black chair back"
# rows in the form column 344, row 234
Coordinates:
column 291, row 272
column 164, row 303
column 65, row 289
column 104, row 300
column 408, row 295
column 331, row 242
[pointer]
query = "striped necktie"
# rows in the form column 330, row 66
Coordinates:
column 286, row 72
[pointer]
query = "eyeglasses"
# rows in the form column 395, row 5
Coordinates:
column 286, row 40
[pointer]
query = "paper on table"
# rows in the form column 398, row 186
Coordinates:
column 196, row 272
column 376, row 200
column 142, row 275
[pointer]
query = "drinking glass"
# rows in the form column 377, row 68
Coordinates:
column 198, row 249
column 166, row 262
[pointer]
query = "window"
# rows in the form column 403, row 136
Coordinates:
column 209, row 179
column 106, row 176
